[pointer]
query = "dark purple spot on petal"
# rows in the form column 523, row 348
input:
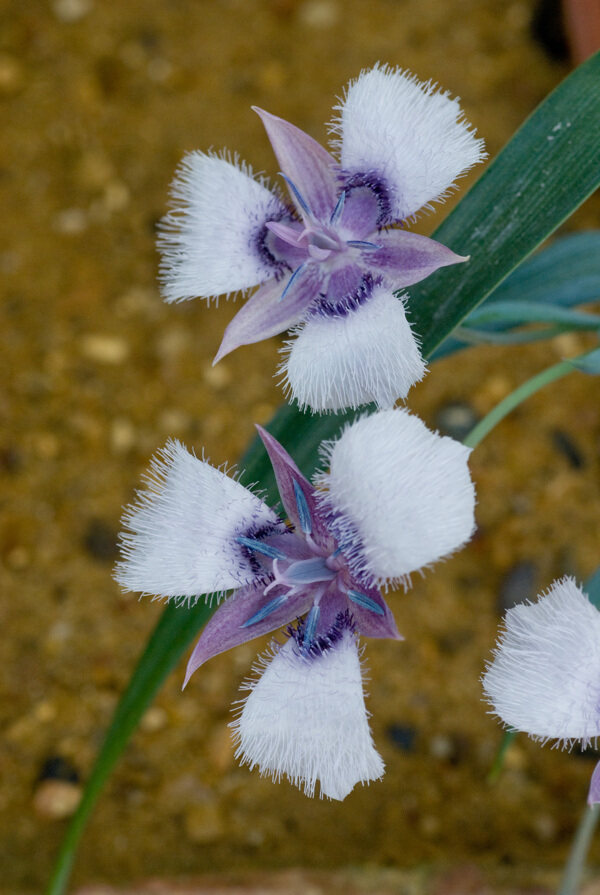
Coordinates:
column 320, row 643
column 370, row 180
column 341, row 303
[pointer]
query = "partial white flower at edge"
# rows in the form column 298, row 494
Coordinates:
column 544, row 679
column 545, row 676
column 305, row 718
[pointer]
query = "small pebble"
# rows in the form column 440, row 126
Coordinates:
column 70, row 221
column 58, row 768
column 319, row 14
column 56, row 799
column 104, row 349
column 567, row 447
column 71, row 10
column 18, row 558
column 453, row 748
column 220, row 748
column 100, row 541
column 10, row 459
column 116, row 196
column 11, row 74
column 217, row 377
column 203, row 822
column 122, row 435
column 517, row 586
column 154, row 719
column 456, row 419
column 403, row 736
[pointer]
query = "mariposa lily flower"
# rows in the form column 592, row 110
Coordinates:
column 544, row 679
column 396, row 497
column 330, row 261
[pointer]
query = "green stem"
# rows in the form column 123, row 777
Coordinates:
column 489, row 422
column 569, row 884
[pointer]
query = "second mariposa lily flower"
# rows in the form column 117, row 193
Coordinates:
column 395, row 497
column 326, row 263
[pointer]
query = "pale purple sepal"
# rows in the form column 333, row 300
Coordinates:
column 367, row 623
column 594, row 792
column 371, row 624
column 286, row 472
column 266, row 313
column 225, row 629
column 310, row 167
column 406, row 258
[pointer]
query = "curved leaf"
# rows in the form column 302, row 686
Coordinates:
column 565, row 274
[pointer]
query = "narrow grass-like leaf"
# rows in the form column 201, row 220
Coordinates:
column 175, row 630
column 542, row 175
column 521, row 312
column 469, row 336
column 588, row 363
column 565, row 274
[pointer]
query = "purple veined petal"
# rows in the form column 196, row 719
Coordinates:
column 408, row 133
column 211, row 241
column 406, row 258
column 225, row 629
column 344, row 284
column 400, row 497
column 361, row 213
column 265, row 314
column 594, row 791
column 305, row 719
column 311, row 168
column 347, row 359
column 180, row 537
column 286, row 473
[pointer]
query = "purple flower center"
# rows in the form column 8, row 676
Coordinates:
column 296, row 562
column 336, row 245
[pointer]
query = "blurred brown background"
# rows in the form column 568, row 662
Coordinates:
column 99, row 102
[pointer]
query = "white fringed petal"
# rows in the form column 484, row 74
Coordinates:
column 210, row 241
column 369, row 354
column 305, row 719
column 181, row 532
column 400, row 496
column 413, row 138
column 545, row 676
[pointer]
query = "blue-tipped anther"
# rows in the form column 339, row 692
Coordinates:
column 364, row 601
column 290, row 281
column 303, row 511
column 310, row 626
column 260, row 547
column 266, row 610
column 363, row 244
column 337, row 211
column 298, row 195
